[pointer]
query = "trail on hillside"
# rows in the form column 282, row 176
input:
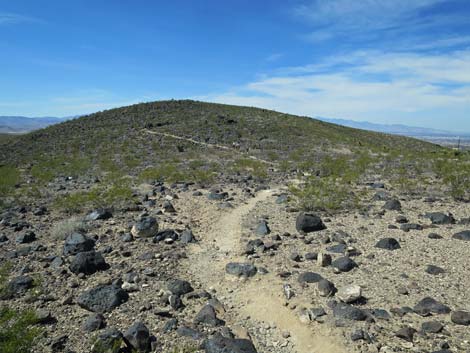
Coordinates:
column 211, row 145
column 259, row 297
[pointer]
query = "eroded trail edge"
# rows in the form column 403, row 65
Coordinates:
column 258, row 298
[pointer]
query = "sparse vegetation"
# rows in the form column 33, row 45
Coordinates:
column 61, row 229
column 9, row 177
column 17, row 331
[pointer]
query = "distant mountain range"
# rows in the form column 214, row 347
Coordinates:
column 22, row 124
column 396, row 129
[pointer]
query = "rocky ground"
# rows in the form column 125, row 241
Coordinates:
column 237, row 269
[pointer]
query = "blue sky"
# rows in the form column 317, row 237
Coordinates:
column 386, row 61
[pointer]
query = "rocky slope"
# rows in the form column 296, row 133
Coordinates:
column 232, row 263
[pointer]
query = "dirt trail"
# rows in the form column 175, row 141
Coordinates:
column 259, row 297
column 212, row 145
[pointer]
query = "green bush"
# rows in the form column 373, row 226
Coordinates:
column 17, row 331
column 103, row 196
column 455, row 174
column 197, row 171
column 324, row 194
column 5, row 270
column 256, row 168
column 9, row 177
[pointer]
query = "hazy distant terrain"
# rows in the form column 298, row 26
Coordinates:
column 22, row 124
column 441, row 137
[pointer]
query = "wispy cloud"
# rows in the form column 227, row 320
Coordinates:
column 274, row 57
column 397, row 24
column 13, row 18
column 364, row 85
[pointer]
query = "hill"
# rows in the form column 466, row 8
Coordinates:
column 254, row 132
column 141, row 229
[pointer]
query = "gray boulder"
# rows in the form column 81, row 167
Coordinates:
column 208, row 316
column 429, row 305
column 146, row 227
column 241, row 269
column 308, row 222
column 76, row 243
column 103, row 298
column 465, row 235
column 388, row 244
column 392, row 205
column 138, row 336
column 179, row 287
column 221, row 344
column 440, row 218
column 88, row 262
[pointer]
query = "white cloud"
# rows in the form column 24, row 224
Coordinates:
column 370, row 85
column 363, row 14
column 12, row 18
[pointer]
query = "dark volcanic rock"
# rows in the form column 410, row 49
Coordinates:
column 440, row 218
column 406, row 333
column 76, row 243
column 411, row 226
column 434, row 236
column 179, row 287
column 165, row 234
column 348, row 312
column 99, row 214
column 434, row 270
column 26, row 237
column 344, row 264
column 337, row 249
column 221, row 344
column 432, row 326
column 392, row 205
column 17, row 287
column 430, row 306
column 207, row 316
column 388, row 244
column 138, row 336
column 94, row 322
column 103, row 298
column 240, row 269
column 215, row 196
column 309, row 277
column 146, row 227
column 307, row 223
column 465, row 235
column 88, row 262
column 460, row 318
column 326, row 288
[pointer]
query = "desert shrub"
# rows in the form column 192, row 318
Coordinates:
column 326, row 194
column 9, row 177
column 197, row 171
column 256, row 168
column 455, row 174
column 61, row 229
column 115, row 194
column 17, row 331
column 46, row 169
column 169, row 172
column 5, row 270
